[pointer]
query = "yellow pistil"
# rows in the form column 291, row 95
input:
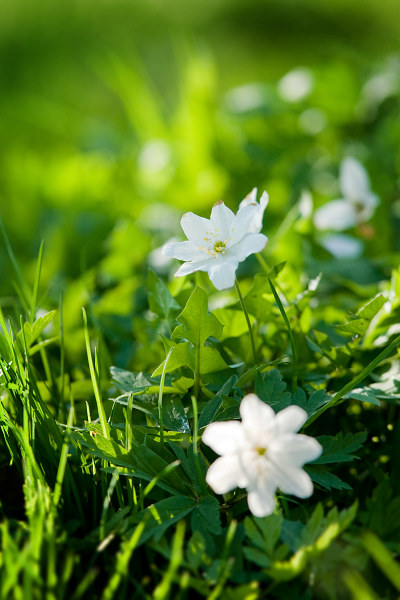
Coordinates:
column 219, row 247
column 261, row 451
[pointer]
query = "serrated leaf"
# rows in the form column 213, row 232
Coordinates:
column 258, row 557
column 206, row 517
column 366, row 394
column 360, row 323
column 161, row 301
column 340, row 448
column 128, row 381
column 332, row 526
column 311, row 404
column 182, row 355
column 197, row 324
column 326, row 479
column 272, row 390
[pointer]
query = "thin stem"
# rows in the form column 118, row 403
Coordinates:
column 196, row 385
column 284, row 316
column 246, row 314
column 160, row 396
column 338, row 397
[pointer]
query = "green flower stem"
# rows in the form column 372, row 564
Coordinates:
column 160, row 396
column 246, row 314
column 196, row 385
column 284, row 316
column 199, row 472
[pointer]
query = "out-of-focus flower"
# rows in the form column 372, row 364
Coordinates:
column 261, row 453
column 296, row 85
column 251, row 198
column 357, row 205
column 217, row 245
column 341, row 245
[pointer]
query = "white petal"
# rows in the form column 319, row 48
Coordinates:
column 243, row 223
column 251, row 198
column 366, row 207
column 354, row 180
column 256, row 224
column 224, row 474
column 262, row 501
column 222, row 274
column 290, row 419
column 341, row 245
column 257, row 419
column 197, row 229
column 293, row 450
column 191, row 267
column 182, row 251
column 221, row 219
column 336, row 215
column 223, row 438
column 295, row 481
column 250, row 244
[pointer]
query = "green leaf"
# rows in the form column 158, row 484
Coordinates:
column 326, row 479
column 128, row 381
column 320, row 533
column 365, row 394
column 311, row 404
column 196, row 550
column 161, row 301
column 257, row 299
column 360, row 323
column 206, row 517
column 272, row 390
column 32, row 332
column 182, row 355
column 161, row 515
column 340, row 448
column 197, row 324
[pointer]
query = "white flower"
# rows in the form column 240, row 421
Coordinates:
column 217, row 245
column 341, row 245
column 357, row 205
column 261, row 453
column 251, row 198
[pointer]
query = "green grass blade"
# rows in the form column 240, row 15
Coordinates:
column 95, row 380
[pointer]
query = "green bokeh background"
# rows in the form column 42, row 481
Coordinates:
column 117, row 117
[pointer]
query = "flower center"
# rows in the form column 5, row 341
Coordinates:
column 260, row 450
column 219, row 247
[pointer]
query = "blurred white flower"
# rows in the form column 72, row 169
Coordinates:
column 251, row 198
column 357, row 205
column 341, row 245
column 217, row 245
column 261, row 453
column 296, row 85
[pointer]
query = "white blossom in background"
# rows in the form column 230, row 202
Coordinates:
column 261, row 453
column 296, row 85
column 357, row 205
column 341, row 245
column 217, row 245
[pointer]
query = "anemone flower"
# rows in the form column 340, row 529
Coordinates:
column 261, row 453
column 357, row 205
column 217, row 245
